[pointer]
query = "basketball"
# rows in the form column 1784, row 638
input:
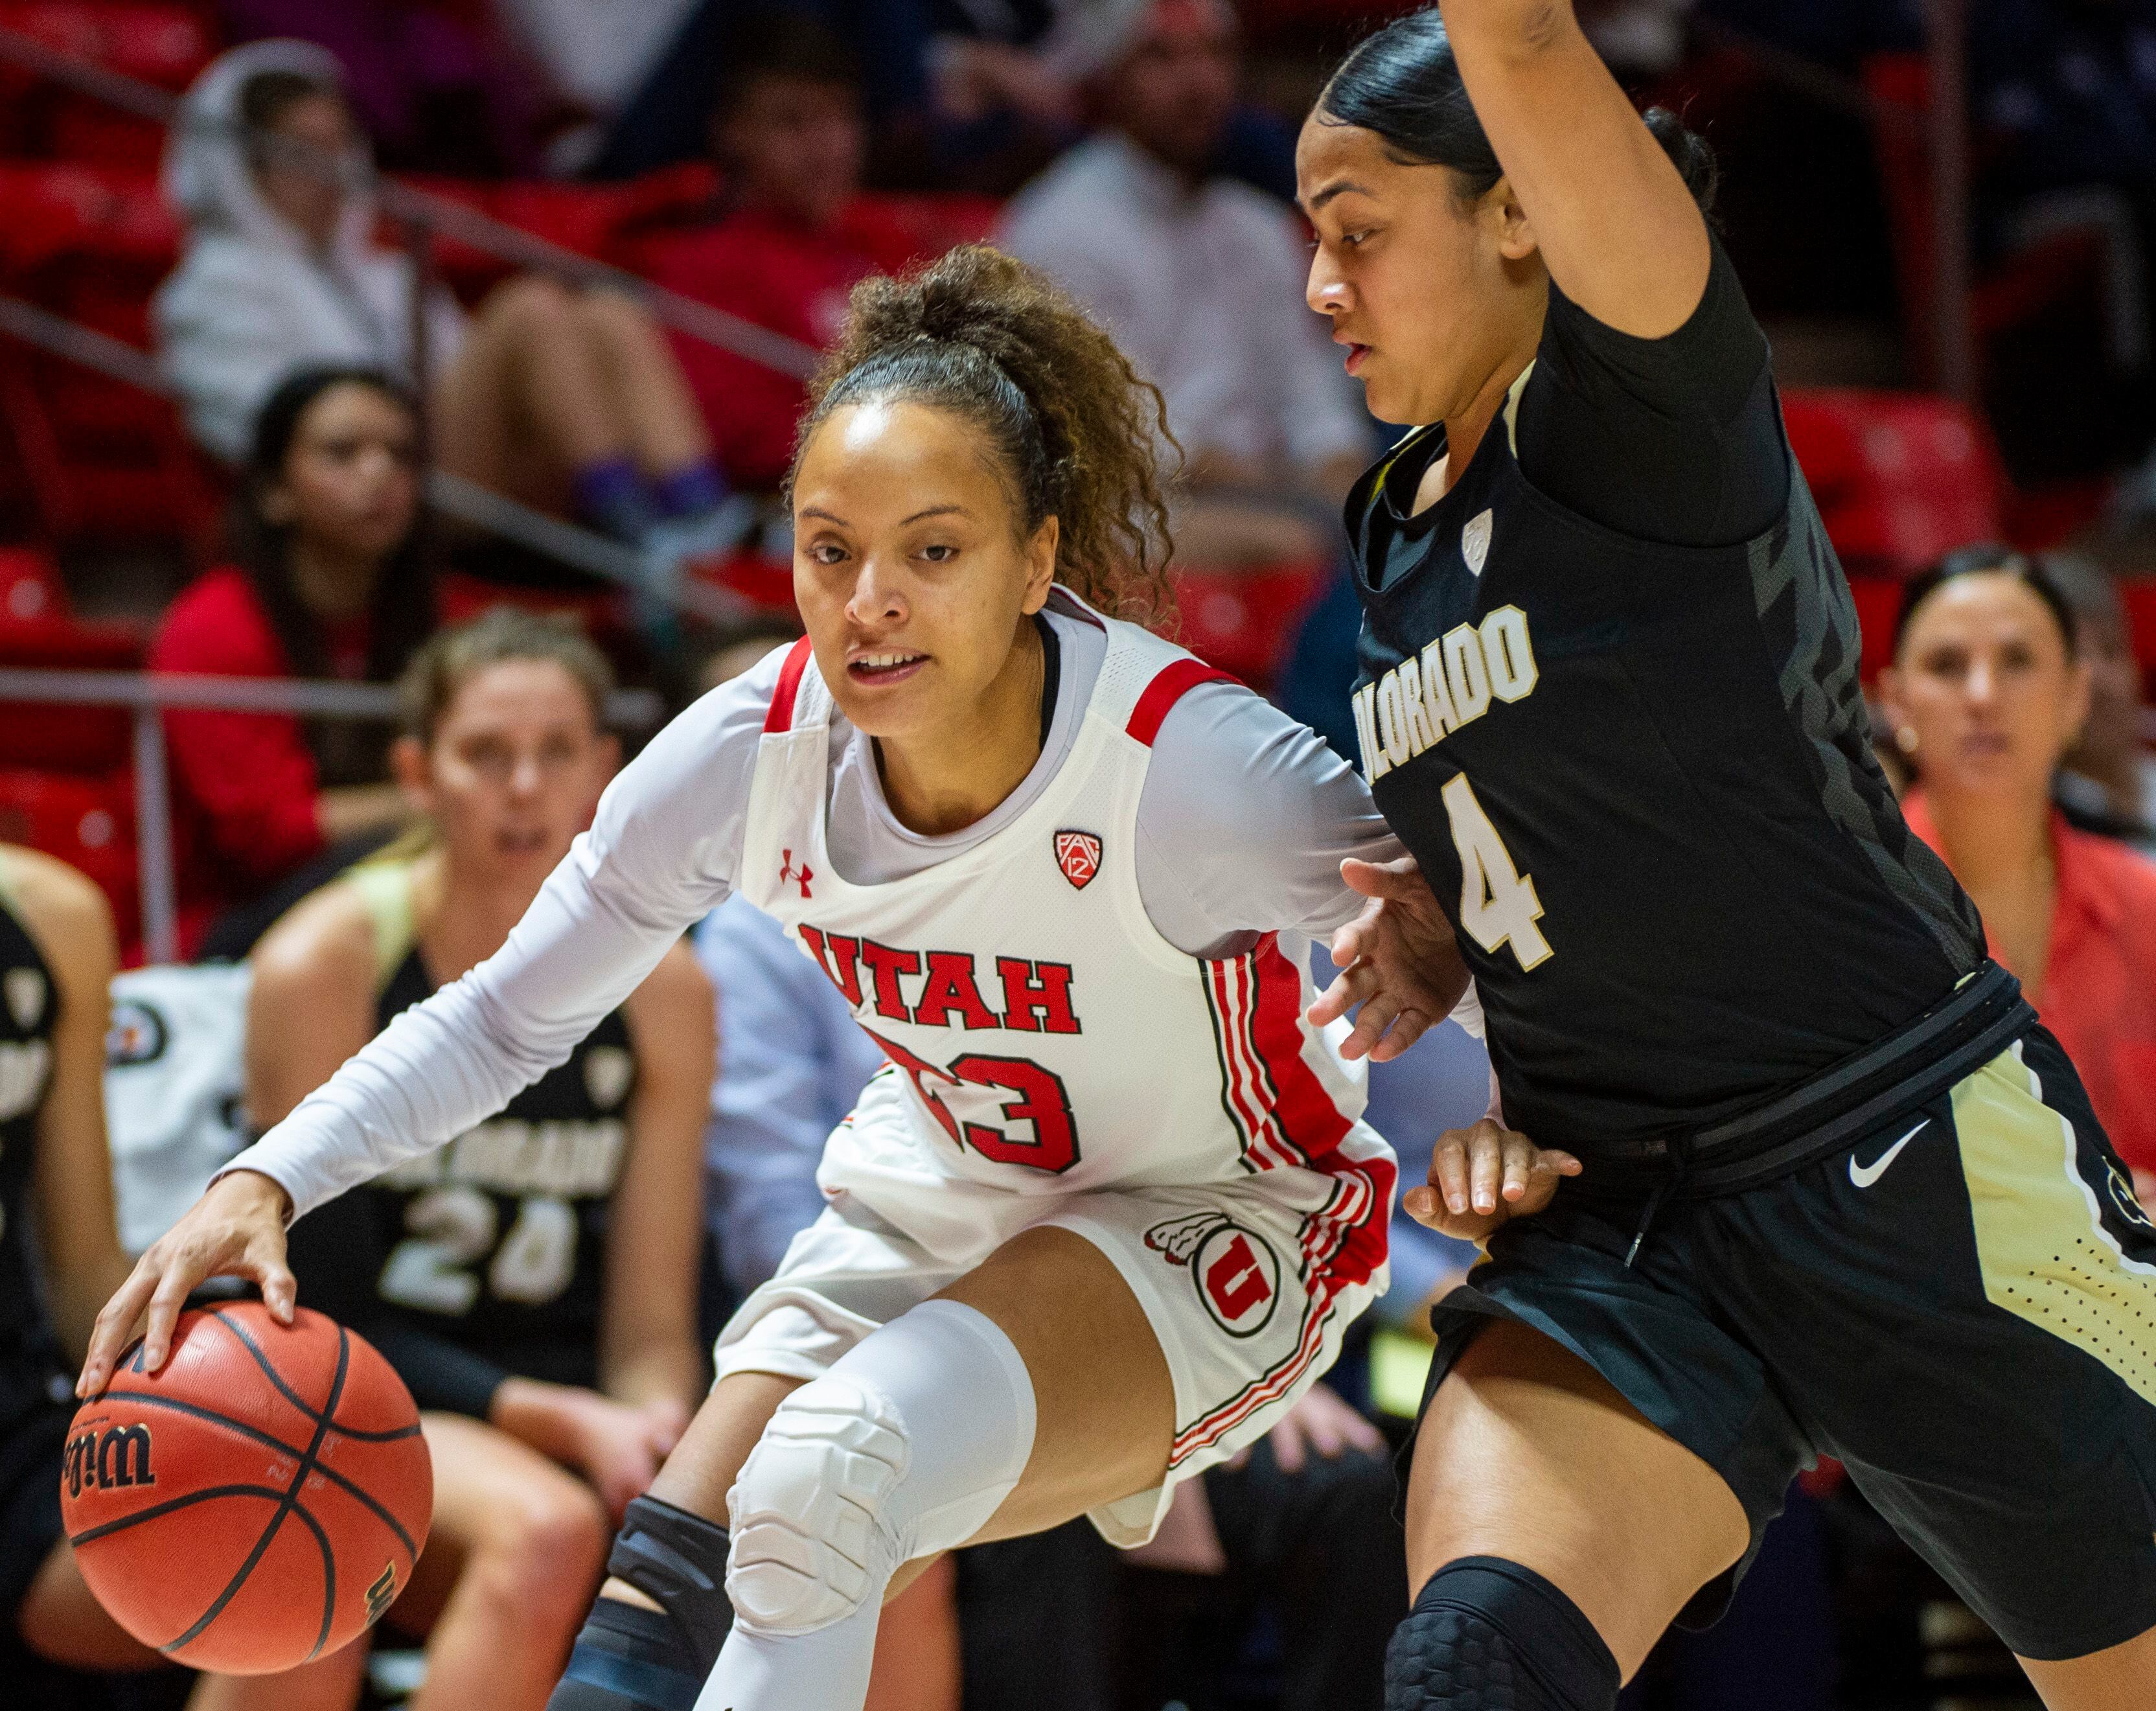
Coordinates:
column 257, row 1504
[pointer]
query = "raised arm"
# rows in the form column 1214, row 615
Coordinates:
column 1619, row 231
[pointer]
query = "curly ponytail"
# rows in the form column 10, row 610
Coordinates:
column 1076, row 427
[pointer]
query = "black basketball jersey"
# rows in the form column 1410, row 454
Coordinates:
column 496, row 1240
column 28, row 1006
column 1640, row 779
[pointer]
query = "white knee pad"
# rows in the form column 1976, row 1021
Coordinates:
column 810, row 1542
column 906, row 1447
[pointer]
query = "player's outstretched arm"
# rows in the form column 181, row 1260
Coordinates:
column 1621, row 234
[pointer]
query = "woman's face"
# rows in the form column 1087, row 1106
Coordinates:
column 908, row 568
column 306, row 183
column 1431, row 293
column 350, row 483
column 1982, row 693
column 514, row 771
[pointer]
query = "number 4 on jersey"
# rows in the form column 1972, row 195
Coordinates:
column 1498, row 901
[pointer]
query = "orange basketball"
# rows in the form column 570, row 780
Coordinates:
column 259, row 1502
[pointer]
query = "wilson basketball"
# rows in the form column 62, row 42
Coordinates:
column 258, row 1503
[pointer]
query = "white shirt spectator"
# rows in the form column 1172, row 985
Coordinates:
column 792, row 1062
column 1203, row 289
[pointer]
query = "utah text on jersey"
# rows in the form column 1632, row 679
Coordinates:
column 1419, row 701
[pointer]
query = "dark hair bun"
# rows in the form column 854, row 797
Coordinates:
column 1692, row 154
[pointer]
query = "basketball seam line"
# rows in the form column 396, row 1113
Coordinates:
column 292, row 1396
column 350, row 1487
column 286, row 1504
column 157, row 1510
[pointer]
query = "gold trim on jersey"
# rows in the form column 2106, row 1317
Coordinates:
column 2041, row 1242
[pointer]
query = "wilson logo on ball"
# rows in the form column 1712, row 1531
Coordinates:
column 1078, row 854
column 381, row 1593
column 105, row 1460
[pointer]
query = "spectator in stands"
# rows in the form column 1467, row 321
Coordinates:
column 794, row 237
column 1200, row 278
column 2110, row 779
column 435, row 82
column 533, row 1282
column 563, row 399
column 1986, row 694
column 331, row 579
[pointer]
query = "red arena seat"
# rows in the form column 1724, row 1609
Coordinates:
column 88, row 823
column 165, row 45
column 1900, row 477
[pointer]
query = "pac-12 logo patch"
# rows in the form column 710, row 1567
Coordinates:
column 1236, row 1271
column 1078, row 854
column 1475, row 541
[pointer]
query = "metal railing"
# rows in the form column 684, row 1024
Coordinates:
column 147, row 694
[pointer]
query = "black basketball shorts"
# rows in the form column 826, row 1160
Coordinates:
column 1961, row 1307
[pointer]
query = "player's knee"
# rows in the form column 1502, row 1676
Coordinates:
column 1488, row 1635
column 810, row 1543
column 543, row 1551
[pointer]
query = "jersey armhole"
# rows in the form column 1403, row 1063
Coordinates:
column 781, row 716
column 1170, row 684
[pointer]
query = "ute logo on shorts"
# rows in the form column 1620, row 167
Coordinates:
column 135, row 1034
column 1078, row 854
column 1235, row 1270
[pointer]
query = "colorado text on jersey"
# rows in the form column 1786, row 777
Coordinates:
column 1418, row 702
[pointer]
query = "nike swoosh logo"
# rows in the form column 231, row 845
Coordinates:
column 1864, row 1175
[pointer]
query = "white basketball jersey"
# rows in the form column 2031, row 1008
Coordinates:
column 1050, row 1040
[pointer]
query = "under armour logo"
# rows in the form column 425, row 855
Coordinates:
column 803, row 875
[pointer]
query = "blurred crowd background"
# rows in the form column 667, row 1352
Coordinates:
column 329, row 329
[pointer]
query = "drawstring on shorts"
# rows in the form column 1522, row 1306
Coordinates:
column 1680, row 1165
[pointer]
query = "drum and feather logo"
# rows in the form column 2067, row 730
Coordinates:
column 1235, row 1270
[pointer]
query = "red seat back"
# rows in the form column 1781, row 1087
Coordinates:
column 1900, row 477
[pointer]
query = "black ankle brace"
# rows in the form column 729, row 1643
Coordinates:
column 678, row 1560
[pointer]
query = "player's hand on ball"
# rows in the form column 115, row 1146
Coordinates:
column 236, row 1230
column 1484, row 1177
column 1397, row 962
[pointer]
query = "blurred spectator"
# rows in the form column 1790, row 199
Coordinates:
column 534, row 1282
column 2110, row 779
column 435, row 84
column 553, row 396
column 667, row 118
column 1985, row 696
column 597, row 54
column 793, row 238
column 330, row 580
column 1201, row 280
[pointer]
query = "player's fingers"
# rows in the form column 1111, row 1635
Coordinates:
column 1519, row 1164
column 1372, row 1022
column 265, row 1264
column 1486, row 1164
column 1550, row 1169
column 1408, row 1025
column 115, row 1323
column 1448, row 1170
column 1400, row 878
column 166, row 1302
column 1421, row 1204
column 1287, row 1445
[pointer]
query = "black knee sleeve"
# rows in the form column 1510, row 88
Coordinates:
column 1488, row 1635
column 629, row 1658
